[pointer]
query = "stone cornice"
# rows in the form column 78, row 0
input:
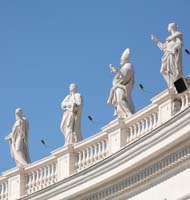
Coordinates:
column 130, row 157
column 150, row 174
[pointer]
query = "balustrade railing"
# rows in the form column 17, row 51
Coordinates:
column 91, row 152
column 88, row 152
column 41, row 177
column 142, row 124
column 185, row 100
column 4, row 189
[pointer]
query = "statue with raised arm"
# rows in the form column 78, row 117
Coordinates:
column 71, row 121
column 18, row 139
column 122, row 85
column 171, row 68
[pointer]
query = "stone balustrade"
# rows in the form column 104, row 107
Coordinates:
column 41, row 177
column 91, row 151
column 3, row 189
column 181, row 102
column 71, row 159
column 142, row 124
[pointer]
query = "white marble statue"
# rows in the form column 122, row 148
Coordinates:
column 171, row 68
column 18, row 139
column 71, row 121
column 123, row 82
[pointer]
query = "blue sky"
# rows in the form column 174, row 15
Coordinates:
column 46, row 45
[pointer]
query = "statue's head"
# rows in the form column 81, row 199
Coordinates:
column 73, row 87
column 172, row 26
column 18, row 113
column 125, row 57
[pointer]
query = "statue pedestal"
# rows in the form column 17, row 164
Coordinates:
column 165, row 103
column 65, row 161
column 116, row 136
column 16, row 183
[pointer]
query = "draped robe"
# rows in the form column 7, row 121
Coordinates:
column 71, row 121
column 120, row 93
column 18, row 140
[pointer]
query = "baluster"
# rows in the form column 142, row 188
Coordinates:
column 134, row 132
column 29, row 183
column 32, row 188
column 128, row 135
column 139, row 129
column 45, row 176
column 55, row 172
column 79, row 160
column 44, row 180
column 1, row 190
column 6, row 190
column 95, row 152
column 90, row 160
column 182, row 103
column 146, row 124
column 151, row 120
column 186, row 100
column 52, row 173
column 40, row 178
column 106, row 147
column 48, row 175
column 87, row 156
column 99, row 150
column 149, row 123
column 36, row 180
column 83, row 158
column 131, row 134
column 143, row 126
column 154, row 119
column 103, row 148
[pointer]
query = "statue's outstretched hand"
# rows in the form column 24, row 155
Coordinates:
column 8, row 137
column 154, row 38
column 112, row 68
